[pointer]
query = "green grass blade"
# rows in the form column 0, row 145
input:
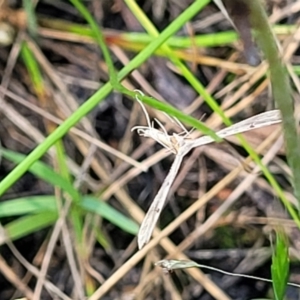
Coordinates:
column 29, row 224
column 280, row 87
column 29, row 8
column 32, row 68
column 280, row 266
column 100, row 40
column 101, row 208
column 27, row 205
column 74, row 213
column 142, row 39
column 43, row 171
column 40, row 204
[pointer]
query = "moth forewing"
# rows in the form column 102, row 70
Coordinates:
column 258, row 121
column 255, row 122
column 150, row 220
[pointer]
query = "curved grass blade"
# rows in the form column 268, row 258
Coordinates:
column 43, row 171
column 41, row 204
column 109, row 213
column 28, row 224
column 27, row 205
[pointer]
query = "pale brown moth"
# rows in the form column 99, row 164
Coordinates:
column 180, row 146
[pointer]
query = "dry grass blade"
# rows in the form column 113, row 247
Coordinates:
column 168, row 265
column 181, row 146
column 10, row 275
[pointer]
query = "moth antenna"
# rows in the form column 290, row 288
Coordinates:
column 168, row 117
column 202, row 117
column 178, row 123
column 143, row 107
column 192, row 129
column 189, row 132
column 139, row 127
column 139, row 91
column 181, row 125
column 161, row 126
